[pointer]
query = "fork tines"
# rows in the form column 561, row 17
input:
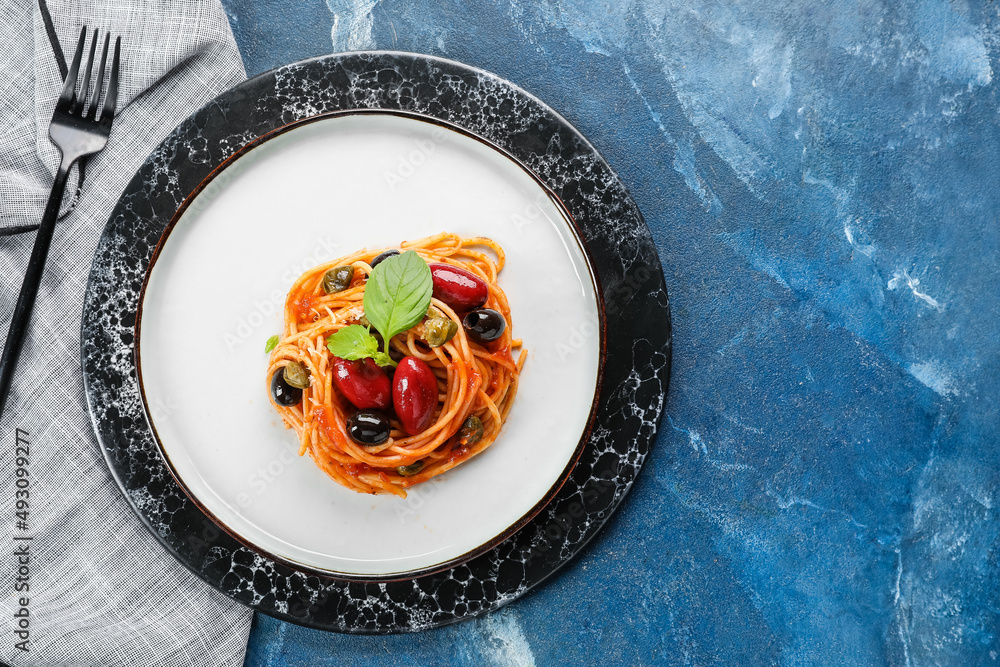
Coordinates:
column 76, row 103
column 76, row 136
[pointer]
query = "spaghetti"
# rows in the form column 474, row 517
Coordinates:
column 474, row 380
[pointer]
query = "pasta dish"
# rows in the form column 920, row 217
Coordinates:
column 396, row 365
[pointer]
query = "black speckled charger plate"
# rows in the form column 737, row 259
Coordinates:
column 620, row 250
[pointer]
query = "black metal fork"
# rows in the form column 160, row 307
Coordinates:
column 77, row 129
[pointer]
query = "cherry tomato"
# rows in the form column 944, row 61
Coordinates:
column 363, row 383
column 457, row 287
column 414, row 394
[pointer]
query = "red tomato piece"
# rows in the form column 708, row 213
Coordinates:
column 414, row 394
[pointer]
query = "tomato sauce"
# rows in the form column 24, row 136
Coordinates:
column 355, row 470
column 328, row 424
column 301, row 306
column 458, row 453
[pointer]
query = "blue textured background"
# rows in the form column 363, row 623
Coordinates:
column 821, row 182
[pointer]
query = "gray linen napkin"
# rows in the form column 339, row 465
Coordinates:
column 92, row 587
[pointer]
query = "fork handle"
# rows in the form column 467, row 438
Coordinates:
column 32, row 279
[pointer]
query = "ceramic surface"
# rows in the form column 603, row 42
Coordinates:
column 216, row 292
column 618, row 246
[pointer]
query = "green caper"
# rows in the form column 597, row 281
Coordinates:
column 338, row 279
column 296, row 375
column 410, row 470
column 471, row 431
column 439, row 331
column 363, row 321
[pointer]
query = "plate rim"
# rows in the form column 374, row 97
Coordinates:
column 114, row 430
column 509, row 530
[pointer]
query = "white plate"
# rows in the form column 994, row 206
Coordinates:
column 215, row 293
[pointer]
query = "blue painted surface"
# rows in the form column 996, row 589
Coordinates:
column 821, row 182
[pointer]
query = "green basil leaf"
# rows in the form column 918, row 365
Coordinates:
column 271, row 343
column 398, row 294
column 383, row 359
column 352, row 342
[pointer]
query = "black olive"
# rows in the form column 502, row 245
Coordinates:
column 282, row 392
column 386, row 255
column 368, row 427
column 484, row 325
